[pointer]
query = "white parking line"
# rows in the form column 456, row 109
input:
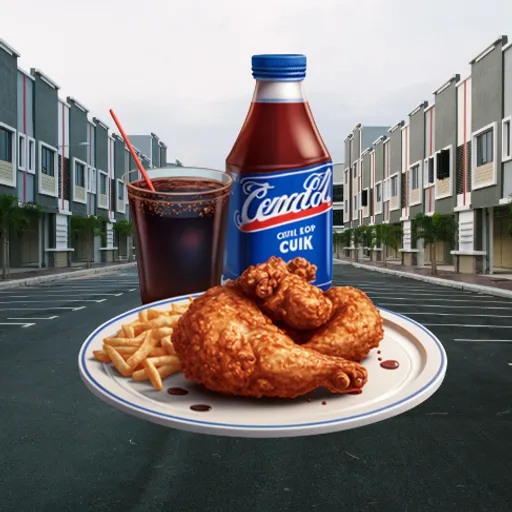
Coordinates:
column 40, row 318
column 23, row 325
column 440, row 300
column 450, row 314
column 53, row 293
column 78, row 308
column 400, row 293
column 492, row 341
column 45, row 301
column 445, row 306
column 472, row 326
column 132, row 290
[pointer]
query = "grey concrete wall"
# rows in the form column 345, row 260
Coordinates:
column 395, row 151
column 417, row 148
column 8, row 88
column 355, row 153
column 8, row 95
column 487, row 107
column 372, row 133
column 163, row 156
column 155, row 153
column 101, row 139
column 46, row 128
column 366, row 171
column 445, row 130
column 78, row 127
column 507, row 111
column 379, row 161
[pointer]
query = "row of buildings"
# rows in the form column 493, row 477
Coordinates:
column 452, row 156
column 55, row 154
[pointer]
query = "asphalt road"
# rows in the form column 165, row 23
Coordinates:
column 62, row 449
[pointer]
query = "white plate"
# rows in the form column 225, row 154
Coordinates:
column 387, row 393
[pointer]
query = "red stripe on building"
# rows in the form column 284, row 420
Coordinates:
column 430, row 154
column 63, row 167
column 373, row 187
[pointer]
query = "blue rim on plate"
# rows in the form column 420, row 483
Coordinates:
column 83, row 364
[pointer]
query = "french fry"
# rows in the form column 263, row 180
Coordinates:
column 162, row 360
column 153, row 375
column 127, row 349
column 162, row 332
column 168, row 346
column 121, row 365
column 123, row 342
column 128, row 331
column 158, row 351
column 143, row 349
column 168, row 369
column 164, row 371
column 147, row 345
column 101, row 356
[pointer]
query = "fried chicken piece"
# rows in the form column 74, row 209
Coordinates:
column 285, row 296
column 227, row 344
column 354, row 328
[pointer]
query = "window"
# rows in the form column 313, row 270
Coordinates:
column 364, row 198
column 337, row 217
column 355, row 203
column 507, row 139
column 430, row 170
column 443, row 164
column 120, row 191
column 22, row 152
column 346, row 177
column 47, row 161
column 92, row 180
column 415, row 177
column 5, row 145
column 355, row 169
column 346, row 205
column 484, row 148
column 103, row 184
column 378, row 192
column 31, row 156
column 394, row 186
column 79, row 175
column 338, row 193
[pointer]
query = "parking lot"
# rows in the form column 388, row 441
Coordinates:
column 30, row 306
column 63, row 449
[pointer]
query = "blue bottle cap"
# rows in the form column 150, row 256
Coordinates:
column 279, row 67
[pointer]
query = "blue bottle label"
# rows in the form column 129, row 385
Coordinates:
column 286, row 214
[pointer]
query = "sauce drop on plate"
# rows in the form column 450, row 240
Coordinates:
column 390, row 364
column 177, row 391
column 201, row 407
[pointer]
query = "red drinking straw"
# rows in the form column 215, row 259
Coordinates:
column 132, row 151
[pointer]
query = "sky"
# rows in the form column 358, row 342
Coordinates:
column 182, row 69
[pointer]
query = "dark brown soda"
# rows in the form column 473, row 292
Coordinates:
column 277, row 136
column 180, row 238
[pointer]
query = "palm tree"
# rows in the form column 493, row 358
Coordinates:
column 433, row 229
column 386, row 235
column 359, row 237
column 14, row 218
column 346, row 237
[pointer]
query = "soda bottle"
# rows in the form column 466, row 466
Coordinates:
column 281, row 198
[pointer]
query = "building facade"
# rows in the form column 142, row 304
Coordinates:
column 54, row 154
column 453, row 156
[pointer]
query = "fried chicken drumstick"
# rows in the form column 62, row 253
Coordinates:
column 226, row 343
column 354, row 328
column 341, row 322
column 283, row 293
